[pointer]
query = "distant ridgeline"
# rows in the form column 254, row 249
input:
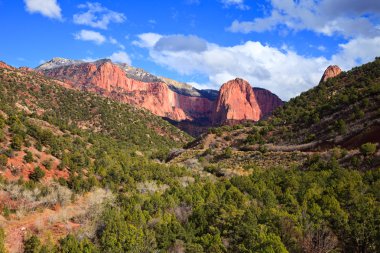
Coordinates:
column 189, row 108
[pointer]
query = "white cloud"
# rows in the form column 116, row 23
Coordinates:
column 357, row 51
column 282, row 71
column 48, row 8
column 237, row 3
column 90, row 59
column 97, row 16
column 116, row 42
column 147, row 40
column 350, row 18
column 121, row 57
column 181, row 43
column 88, row 35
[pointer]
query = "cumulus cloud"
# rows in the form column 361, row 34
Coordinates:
column 92, row 36
column 282, row 71
column 97, row 16
column 350, row 18
column 121, row 57
column 237, row 3
column 181, row 43
column 48, row 8
column 357, row 51
column 147, row 40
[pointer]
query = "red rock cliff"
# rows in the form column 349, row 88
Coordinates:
column 110, row 80
column 4, row 65
column 236, row 102
column 330, row 72
column 267, row 101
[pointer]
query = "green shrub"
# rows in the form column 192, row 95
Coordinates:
column 263, row 149
column 37, row 174
column 227, row 152
column 3, row 160
column 28, row 158
column 17, row 142
column 47, row 164
column 368, row 149
column 341, row 126
column 2, row 239
column 32, row 245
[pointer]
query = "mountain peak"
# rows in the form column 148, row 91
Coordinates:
column 330, row 72
column 101, row 61
column 57, row 62
column 236, row 102
column 234, row 83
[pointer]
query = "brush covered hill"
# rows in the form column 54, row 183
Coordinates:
column 342, row 111
column 227, row 192
column 316, row 149
column 57, row 143
column 45, row 99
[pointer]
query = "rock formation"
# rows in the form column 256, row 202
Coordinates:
column 108, row 79
column 330, row 72
column 4, row 65
column 237, row 100
column 267, row 101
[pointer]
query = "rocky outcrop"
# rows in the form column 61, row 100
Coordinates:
column 58, row 62
column 108, row 79
column 267, row 101
column 330, row 72
column 237, row 100
column 4, row 65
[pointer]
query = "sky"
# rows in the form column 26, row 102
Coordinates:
column 280, row 45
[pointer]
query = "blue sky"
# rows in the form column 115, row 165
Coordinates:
column 281, row 45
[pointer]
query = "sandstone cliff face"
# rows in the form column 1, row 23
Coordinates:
column 5, row 66
column 330, row 72
column 267, row 101
column 108, row 79
column 237, row 100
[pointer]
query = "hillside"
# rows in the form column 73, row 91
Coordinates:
column 65, row 143
column 62, row 130
column 49, row 100
column 73, row 180
column 340, row 113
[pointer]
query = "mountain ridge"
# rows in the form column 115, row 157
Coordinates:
column 163, row 96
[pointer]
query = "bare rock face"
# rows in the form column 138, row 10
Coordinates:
column 236, row 102
column 330, row 72
column 108, row 79
column 267, row 101
column 4, row 65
